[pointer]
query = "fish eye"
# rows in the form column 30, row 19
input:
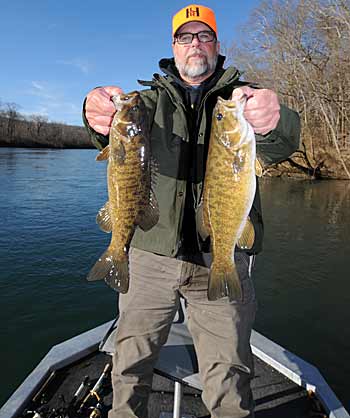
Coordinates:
column 126, row 98
column 219, row 116
column 132, row 132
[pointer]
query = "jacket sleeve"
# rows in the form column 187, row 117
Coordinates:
column 100, row 141
column 280, row 143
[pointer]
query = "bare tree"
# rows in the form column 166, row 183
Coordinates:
column 38, row 122
column 36, row 131
column 301, row 48
column 12, row 114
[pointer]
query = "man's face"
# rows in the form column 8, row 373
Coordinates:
column 195, row 61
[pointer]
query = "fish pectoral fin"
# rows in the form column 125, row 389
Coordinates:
column 259, row 169
column 148, row 216
column 104, row 154
column 154, row 164
column 224, row 283
column 120, row 153
column 202, row 228
column 103, row 218
column 154, row 168
column 247, row 238
column 114, row 272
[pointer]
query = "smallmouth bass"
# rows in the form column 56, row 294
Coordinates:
column 130, row 198
column 229, row 189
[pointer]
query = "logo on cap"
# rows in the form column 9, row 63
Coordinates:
column 190, row 12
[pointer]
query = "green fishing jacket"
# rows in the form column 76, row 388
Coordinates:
column 170, row 142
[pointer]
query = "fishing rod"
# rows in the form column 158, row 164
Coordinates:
column 78, row 406
column 83, row 384
column 94, row 392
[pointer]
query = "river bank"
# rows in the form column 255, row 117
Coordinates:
column 328, row 165
column 38, row 133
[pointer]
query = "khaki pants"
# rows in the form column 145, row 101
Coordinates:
column 220, row 331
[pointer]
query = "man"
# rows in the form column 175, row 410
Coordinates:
column 171, row 259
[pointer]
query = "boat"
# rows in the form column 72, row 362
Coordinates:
column 73, row 380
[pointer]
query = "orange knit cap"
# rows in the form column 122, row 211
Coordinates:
column 194, row 13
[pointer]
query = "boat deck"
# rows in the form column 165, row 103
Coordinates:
column 274, row 394
column 284, row 384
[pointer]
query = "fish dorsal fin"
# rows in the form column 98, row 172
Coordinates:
column 103, row 218
column 247, row 238
column 104, row 154
column 149, row 214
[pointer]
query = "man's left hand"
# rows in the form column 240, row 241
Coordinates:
column 262, row 109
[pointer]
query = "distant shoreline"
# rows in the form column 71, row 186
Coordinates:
column 18, row 132
column 21, row 133
column 48, row 145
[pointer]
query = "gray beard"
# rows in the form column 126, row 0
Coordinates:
column 193, row 71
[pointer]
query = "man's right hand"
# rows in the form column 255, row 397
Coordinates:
column 99, row 108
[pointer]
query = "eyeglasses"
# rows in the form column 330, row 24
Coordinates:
column 202, row 36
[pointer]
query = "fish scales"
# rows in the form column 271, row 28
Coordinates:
column 127, row 195
column 228, row 194
column 130, row 201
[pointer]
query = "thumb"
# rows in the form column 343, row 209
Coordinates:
column 113, row 91
column 242, row 91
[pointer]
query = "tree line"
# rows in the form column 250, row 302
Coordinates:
column 18, row 130
column 301, row 49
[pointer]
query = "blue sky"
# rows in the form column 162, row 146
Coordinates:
column 54, row 52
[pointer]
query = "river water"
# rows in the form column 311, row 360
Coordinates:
column 49, row 240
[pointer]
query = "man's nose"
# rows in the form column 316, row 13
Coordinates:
column 195, row 41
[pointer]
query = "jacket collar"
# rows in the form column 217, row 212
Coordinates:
column 221, row 76
column 167, row 65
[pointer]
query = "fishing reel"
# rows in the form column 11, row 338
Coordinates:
column 86, row 402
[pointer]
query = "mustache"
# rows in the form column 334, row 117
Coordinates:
column 197, row 52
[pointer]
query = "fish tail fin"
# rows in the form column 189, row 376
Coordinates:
column 224, row 283
column 114, row 272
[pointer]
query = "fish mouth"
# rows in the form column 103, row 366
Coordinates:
column 232, row 111
column 243, row 100
column 228, row 105
column 129, row 120
column 231, row 105
column 120, row 100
